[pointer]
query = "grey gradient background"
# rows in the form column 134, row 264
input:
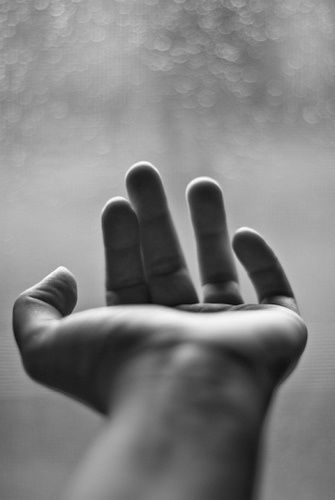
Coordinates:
column 240, row 90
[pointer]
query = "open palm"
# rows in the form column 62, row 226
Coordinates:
column 153, row 300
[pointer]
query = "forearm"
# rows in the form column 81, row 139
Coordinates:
column 126, row 464
column 180, row 439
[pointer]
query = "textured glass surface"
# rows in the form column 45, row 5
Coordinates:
column 240, row 90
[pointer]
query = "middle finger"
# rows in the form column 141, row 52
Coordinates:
column 216, row 261
column 166, row 271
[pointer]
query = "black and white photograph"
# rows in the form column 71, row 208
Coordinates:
column 167, row 249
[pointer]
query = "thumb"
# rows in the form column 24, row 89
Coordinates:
column 49, row 300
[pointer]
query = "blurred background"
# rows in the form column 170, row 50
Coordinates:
column 240, row 90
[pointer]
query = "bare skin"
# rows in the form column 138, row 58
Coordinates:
column 186, row 391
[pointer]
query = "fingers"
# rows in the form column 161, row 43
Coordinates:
column 166, row 272
column 264, row 269
column 216, row 261
column 125, row 281
column 51, row 299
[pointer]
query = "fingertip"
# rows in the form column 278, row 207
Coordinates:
column 245, row 239
column 59, row 289
column 114, row 210
column 64, row 273
column 117, row 202
column 119, row 224
column 140, row 174
column 245, row 232
column 62, row 270
column 142, row 164
column 202, row 189
column 146, row 191
column 202, row 181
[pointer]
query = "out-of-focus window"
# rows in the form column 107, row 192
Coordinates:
column 241, row 90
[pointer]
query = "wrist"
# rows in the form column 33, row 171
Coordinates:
column 185, row 423
column 193, row 436
column 199, row 403
column 192, row 380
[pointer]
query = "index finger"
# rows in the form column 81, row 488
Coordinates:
column 125, row 280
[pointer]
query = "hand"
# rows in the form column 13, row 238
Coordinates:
column 89, row 355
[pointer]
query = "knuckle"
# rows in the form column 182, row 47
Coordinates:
column 162, row 266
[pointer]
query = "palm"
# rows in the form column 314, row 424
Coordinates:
column 144, row 261
column 150, row 291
